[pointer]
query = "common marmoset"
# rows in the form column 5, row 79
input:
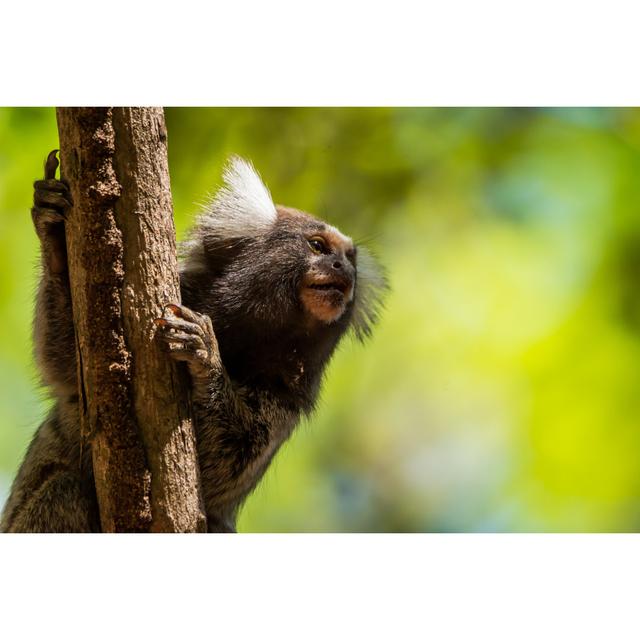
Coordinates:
column 267, row 291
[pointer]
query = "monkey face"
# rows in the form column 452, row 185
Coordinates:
column 327, row 286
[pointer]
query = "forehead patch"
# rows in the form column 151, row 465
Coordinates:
column 312, row 224
column 337, row 238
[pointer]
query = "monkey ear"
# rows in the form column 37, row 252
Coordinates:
column 371, row 287
column 242, row 207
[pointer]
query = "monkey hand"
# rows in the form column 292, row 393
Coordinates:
column 189, row 338
column 51, row 203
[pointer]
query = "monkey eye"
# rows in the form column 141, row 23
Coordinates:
column 317, row 244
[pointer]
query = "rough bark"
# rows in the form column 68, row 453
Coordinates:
column 123, row 271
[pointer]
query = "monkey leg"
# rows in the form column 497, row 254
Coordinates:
column 54, row 337
column 59, row 505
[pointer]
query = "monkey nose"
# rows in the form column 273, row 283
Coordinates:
column 337, row 265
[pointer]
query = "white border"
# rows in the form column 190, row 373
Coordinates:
column 335, row 52
column 320, row 586
column 323, row 53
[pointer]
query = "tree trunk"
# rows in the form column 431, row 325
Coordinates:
column 121, row 247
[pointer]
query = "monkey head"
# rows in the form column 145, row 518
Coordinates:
column 271, row 266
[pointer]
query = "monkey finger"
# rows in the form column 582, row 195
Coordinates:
column 178, row 352
column 182, row 325
column 50, row 165
column 208, row 326
column 204, row 322
column 186, row 353
column 58, row 186
column 184, row 312
column 50, row 199
column 172, row 310
column 54, row 186
column 189, row 340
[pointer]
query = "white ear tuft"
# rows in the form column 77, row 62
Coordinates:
column 371, row 287
column 242, row 207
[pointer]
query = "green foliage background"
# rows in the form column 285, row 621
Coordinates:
column 501, row 391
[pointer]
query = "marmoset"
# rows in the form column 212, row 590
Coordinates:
column 267, row 293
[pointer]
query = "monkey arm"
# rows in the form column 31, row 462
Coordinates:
column 238, row 429
column 54, row 337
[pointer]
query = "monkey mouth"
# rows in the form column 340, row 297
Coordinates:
column 341, row 287
column 332, row 289
column 326, row 297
